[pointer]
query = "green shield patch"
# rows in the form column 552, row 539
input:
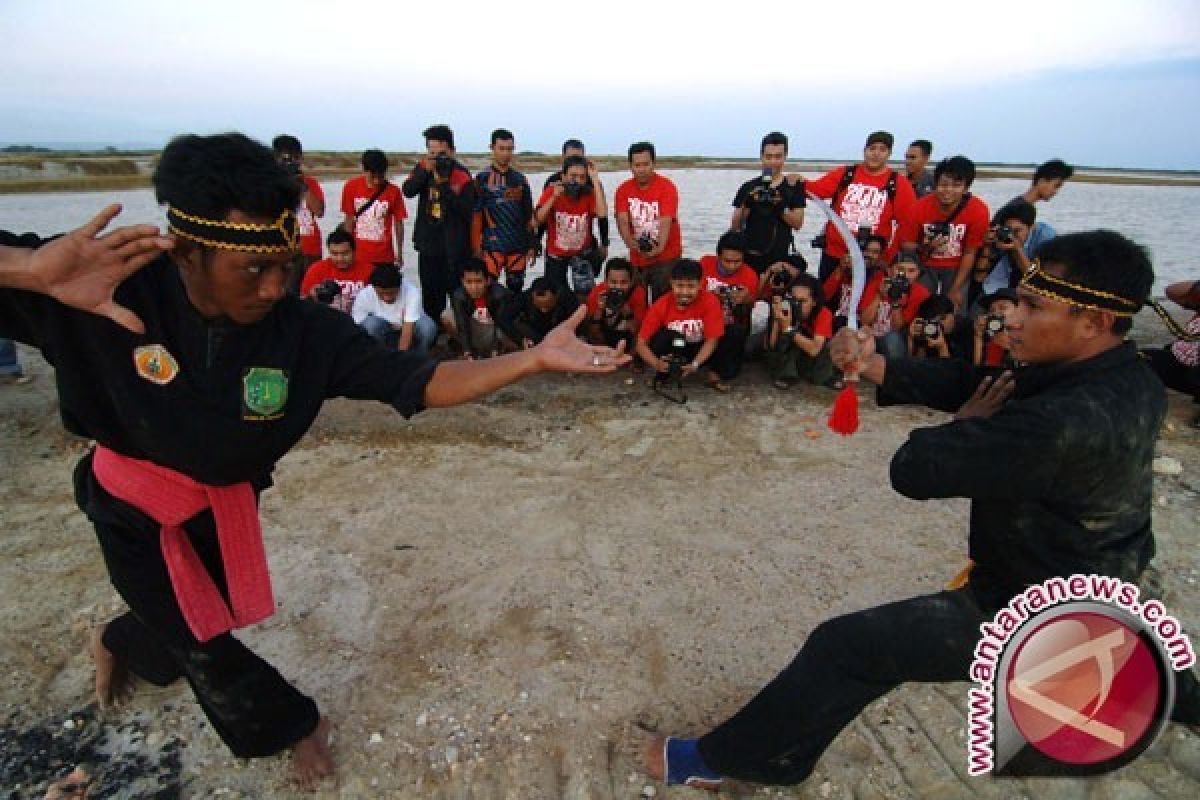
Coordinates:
column 265, row 391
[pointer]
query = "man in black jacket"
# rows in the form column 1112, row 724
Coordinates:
column 442, row 233
column 1056, row 459
column 194, row 374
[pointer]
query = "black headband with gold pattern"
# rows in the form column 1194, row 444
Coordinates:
column 249, row 237
column 1039, row 281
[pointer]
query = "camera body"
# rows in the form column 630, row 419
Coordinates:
column 574, row 190
column 443, row 165
column 327, row 291
column 779, row 279
column 897, row 287
column 1004, row 235
column 864, row 233
column 993, row 326
column 292, row 166
column 614, row 299
column 927, row 329
column 676, row 358
column 645, row 243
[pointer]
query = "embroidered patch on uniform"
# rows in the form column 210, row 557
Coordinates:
column 264, row 393
column 155, row 364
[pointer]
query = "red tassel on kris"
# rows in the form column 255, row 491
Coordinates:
column 843, row 418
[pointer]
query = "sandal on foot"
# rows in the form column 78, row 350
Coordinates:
column 683, row 766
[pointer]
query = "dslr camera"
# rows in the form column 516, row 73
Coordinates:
column 328, row 290
column 574, row 190
column 897, row 287
column 645, row 243
column 864, row 233
column 1004, row 235
column 443, row 165
column 614, row 299
column 993, row 326
column 292, row 166
column 927, row 329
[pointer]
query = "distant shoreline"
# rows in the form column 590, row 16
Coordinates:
column 42, row 172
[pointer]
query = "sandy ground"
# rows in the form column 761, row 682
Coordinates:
column 488, row 600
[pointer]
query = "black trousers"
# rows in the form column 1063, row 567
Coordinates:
column 250, row 705
column 847, row 663
column 438, row 280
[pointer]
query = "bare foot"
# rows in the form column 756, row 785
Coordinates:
column 114, row 685
column 652, row 757
column 312, row 759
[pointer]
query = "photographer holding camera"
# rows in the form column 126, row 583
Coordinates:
column 992, row 344
column 1009, row 246
column 935, row 332
column 616, row 306
column 600, row 232
column 776, row 278
column 769, row 207
column 735, row 284
column 869, row 194
column 647, row 209
column 289, row 152
column 946, row 229
column 373, row 211
column 892, row 307
column 337, row 280
column 798, row 337
column 682, row 329
column 481, row 311
column 567, row 209
column 445, row 210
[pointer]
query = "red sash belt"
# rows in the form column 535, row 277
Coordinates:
column 170, row 499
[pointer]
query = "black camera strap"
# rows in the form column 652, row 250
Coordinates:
column 378, row 193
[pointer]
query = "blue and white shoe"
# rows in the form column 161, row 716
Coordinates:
column 684, row 766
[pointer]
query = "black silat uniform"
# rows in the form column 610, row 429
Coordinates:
column 205, row 424
column 1060, row 482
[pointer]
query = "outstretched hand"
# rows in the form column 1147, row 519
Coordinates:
column 83, row 268
column 562, row 351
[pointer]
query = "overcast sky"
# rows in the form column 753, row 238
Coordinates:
column 1101, row 83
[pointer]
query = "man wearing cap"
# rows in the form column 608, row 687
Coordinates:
column 870, row 196
column 1056, row 459
column 194, row 373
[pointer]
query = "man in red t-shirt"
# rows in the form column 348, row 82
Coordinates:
column 290, row 153
column 341, row 270
column 566, row 209
column 946, row 228
column 374, row 212
column 798, row 337
column 892, row 305
column 616, row 306
column 682, row 329
column 839, row 286
column 735, row 283
column 647, row 209
column 871, row 197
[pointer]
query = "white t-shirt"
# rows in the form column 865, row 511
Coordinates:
column 407, row 307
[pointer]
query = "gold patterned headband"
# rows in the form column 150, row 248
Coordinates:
column 248, row 237
column 1041, row 282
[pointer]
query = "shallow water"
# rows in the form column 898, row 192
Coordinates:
column 1158, row 217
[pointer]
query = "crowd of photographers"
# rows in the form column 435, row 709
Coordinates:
column 941, row 269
